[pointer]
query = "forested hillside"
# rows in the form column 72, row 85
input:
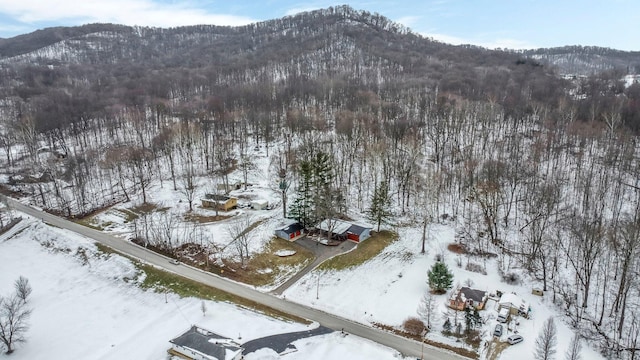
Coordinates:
column 588, row 60
column 541, row 172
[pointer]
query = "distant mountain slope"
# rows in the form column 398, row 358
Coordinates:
column 586, row 60
column 23, row 44
column 330, row 54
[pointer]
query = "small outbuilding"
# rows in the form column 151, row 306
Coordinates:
column 201, row 344
column 290, row 232
column 259, row 204
column 466, row 297
column 219, row 202
column 515, row 304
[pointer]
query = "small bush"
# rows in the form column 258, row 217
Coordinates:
column 511, row 278
column 413, row 326
column 476, row 268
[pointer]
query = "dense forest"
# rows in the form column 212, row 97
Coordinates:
column 533, row 168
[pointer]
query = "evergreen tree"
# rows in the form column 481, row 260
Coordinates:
column 326, row 198
column 302, row 206
column 472, row 318
column 468, row 320
column 380, row 212
column 477, row 320
column 440, row 278
column 446, row 327
column 316, row 199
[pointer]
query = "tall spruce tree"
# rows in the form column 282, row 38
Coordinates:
column 440, row 278
column 380, row 210
column 302, row 206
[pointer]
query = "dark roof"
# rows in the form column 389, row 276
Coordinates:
column 290, row 229
column 205, row 342
column 357, row 229
column 216, row 197
column 473, row 294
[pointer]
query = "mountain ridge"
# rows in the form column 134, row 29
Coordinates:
column 573, row 59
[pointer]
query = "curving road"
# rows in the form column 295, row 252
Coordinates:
column 403, row 345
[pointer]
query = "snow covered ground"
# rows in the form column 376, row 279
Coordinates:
column 86, row 309
column 86, row 305
column 388, row 289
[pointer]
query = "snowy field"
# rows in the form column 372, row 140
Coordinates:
column 89, row 307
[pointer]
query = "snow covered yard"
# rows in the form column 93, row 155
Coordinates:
column 86, row 305
column 388, row 289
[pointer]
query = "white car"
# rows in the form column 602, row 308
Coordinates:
column 174, row 262
column 514, row 339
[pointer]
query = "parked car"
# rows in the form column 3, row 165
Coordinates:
column 498, row 330
column 514, row 339
column 503, row 315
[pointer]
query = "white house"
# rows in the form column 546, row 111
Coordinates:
column 259, row 204
column 201, row 344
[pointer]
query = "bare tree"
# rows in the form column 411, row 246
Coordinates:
column 246, row 165
column 23, row 288
column 164, row 231
column 203, row 308
column 546, row 341
column 188, row 186
column 426, row 308
column 239, row 231
column 573, row 353
column 13, row 321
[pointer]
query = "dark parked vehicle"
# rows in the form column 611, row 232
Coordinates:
column 498, row 330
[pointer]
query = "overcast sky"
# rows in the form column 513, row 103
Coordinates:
column 514, row 24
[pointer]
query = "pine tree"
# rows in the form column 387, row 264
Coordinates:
column 380, row 212
column 446, row 327
column 326, row 198
column 468, row 320
column 315, row 198
column 471, row 318
column 440, row 278
column 302, row 206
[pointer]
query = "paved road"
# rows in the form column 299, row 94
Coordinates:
column 405, row 346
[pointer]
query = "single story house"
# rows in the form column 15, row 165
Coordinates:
column 201, row 344
column 343, row 230
column 259, row 204
column 220, row 202
column 290, row 232
column 465, row 297
column 515, row 304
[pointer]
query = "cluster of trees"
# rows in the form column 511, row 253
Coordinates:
column 317, row 198
column 357, row 115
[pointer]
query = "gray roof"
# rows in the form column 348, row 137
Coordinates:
column 357, row 229
column 206, row 342
column 291, row 228
column 216, row 197
column 473, row 294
